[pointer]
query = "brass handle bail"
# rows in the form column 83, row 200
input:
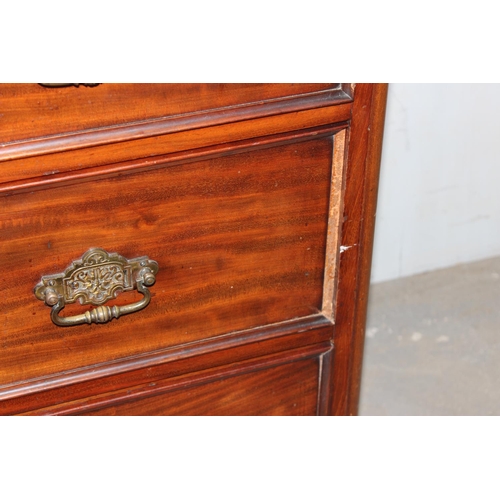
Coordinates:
column 94, row 279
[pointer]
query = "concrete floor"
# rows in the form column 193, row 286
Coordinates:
column 433, row 344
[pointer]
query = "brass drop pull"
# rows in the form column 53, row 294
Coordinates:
column 58, row 85
column 94, row 279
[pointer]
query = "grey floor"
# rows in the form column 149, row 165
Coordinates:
column 433, row 344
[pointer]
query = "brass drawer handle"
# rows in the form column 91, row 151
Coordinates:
column 94, row 279
column 58, row 85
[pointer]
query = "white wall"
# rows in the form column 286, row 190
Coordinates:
column 439, row 194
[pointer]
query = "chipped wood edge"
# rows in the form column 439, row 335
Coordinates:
column 334, row 229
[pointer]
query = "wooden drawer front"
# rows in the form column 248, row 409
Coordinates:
column 30, row 110
column 290, row 389
column 240, row 241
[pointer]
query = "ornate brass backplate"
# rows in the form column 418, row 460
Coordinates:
column 94, row 279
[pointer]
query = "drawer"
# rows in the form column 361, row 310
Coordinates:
column 33, row 111
column 256, row 202
column 287, row 384
column 240, row 241
column 291, row 389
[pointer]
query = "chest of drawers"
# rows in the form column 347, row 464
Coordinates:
column 191, row 249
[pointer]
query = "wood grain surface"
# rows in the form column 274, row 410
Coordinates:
column 291, row 389
column 240, row 241
column 71, row 156
column 31, row 111
column 360, row 197
column 177, row 366
column 258, row 203
column 281, row 384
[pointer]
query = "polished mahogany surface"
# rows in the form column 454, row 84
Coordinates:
column 243, row 194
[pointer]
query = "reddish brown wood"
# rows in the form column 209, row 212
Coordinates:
column 365, row 142
column 325, row 382
column 283, row 390
column 239, row 241
column 171, row 124
column 176, row 158
column 52, row 161
column 181, row 361
column 250, row 394
column 238, row 196
column 32, row 111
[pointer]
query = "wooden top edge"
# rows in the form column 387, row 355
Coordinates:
column 159, row 126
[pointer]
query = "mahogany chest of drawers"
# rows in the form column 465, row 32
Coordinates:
column 194, row 249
